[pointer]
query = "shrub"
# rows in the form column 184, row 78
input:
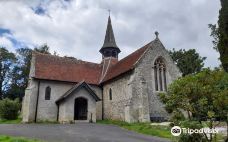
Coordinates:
column 195, row 137
column 176, row 118
column 9, row 109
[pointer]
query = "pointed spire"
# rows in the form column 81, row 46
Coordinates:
column 109, row 48
column 109, row 36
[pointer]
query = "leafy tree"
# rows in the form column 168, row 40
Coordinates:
column 220, row 34
column 20, row 72
column 189, row 62
column 203, row 96
column 6, row 60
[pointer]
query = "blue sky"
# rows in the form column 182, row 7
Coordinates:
column 77, row 27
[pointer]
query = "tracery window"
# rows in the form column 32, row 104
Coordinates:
column 160, row 75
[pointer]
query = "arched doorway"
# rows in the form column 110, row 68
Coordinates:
column 80, row 109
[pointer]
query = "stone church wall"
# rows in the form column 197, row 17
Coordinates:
column 133, row 96
column 144, row 73
column 30, row 98
column 47, row 109
column 117, row 108
column 98, row 92
column 29, row 102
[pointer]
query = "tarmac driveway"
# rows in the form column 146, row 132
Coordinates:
column 79, row 132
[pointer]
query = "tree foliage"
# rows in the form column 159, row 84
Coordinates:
column 9, row 109
column 203, row 96
column 6, row 60
column 19, row 74
column 189, row 61
column 220, row 34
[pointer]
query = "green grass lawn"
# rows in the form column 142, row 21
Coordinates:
column 144, row 128
column 16, row 139
column 3, row 121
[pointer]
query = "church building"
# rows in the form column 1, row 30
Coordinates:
column 68, row 90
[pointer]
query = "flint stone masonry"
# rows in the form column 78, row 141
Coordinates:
column 117, row 108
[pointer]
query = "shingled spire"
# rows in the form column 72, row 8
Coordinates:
column 109, row 37
column 109, row 48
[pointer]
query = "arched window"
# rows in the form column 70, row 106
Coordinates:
column 48, row 93
column 110, row 94
column 160, row 75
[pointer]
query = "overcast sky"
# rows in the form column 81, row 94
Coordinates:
column 77, row 27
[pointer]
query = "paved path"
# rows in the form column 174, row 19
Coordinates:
column 80, row 132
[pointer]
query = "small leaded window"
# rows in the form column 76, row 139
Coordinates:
column 160, row 75
column 48, row 93
column 110, row 94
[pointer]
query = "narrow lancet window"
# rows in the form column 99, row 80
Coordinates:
column 48, row 93
column 110, row 94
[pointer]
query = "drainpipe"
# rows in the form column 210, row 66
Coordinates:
column 37, row 100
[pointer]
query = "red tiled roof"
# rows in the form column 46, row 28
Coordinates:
column 66, row 69
column 125, row 64
column 57, row 68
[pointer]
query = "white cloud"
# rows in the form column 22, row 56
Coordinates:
column 77, row 29
column 5, row 42
column 198, row 2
